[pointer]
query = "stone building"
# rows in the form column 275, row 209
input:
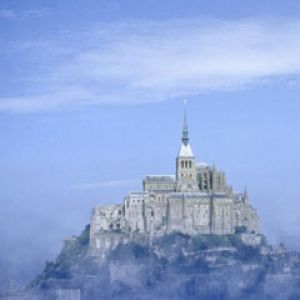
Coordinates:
column 196, row 200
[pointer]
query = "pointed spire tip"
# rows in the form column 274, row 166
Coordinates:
column 185, row 131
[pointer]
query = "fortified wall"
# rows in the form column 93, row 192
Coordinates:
column 195, row 200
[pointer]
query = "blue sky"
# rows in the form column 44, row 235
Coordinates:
column 91, row 101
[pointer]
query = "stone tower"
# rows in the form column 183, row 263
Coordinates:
column 195, row 200
column 185, row 162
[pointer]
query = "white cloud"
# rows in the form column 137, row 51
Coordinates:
column 7, row 13
column 155, row 61
column 29, row 13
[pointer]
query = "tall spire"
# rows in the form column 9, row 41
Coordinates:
column 245, row 196
column 185, row 130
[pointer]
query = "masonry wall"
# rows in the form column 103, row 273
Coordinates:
column 159, row 214
column 221, row 220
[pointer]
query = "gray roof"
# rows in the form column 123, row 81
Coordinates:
column 190, row 195
column 156, row 178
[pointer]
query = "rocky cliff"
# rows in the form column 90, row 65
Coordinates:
column 175, row 266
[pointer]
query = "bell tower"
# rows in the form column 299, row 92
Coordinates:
column 185, row 162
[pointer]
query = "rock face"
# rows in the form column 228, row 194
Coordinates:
column 187, row 236
column 177, row 266
column 196, row 200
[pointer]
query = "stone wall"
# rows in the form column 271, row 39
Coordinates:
column 207, row 207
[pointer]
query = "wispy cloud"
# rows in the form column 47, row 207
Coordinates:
column 34, row 13
column 7, row 13
column 154, row 61
column 104, row 184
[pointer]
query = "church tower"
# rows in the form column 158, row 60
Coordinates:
column 185, row 162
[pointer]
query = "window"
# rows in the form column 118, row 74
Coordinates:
column 182, row 164
column 190, row 164
column 98, row 243
column 186, row 164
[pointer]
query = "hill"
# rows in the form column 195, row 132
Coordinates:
column 175, row 266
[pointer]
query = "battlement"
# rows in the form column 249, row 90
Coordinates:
column 195, row 200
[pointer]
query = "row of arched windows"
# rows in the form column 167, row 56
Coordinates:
column 186, row 164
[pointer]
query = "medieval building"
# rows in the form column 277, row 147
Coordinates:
column 196, row 200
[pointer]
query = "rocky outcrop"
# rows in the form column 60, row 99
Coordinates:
column 176, row 266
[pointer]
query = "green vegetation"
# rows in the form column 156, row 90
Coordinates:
column 176, row 251
column 248, row 254
column 176, row 242
column 72, row 254
column 204, row 242
column 240, row 229
column 129, row 252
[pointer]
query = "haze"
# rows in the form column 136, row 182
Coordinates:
column 91, row 101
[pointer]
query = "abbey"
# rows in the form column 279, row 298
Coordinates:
column 196, row 200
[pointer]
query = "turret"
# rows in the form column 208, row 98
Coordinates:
column 185, row 162
column 245, row 196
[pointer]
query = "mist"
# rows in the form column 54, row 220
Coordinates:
column 65, row 166
column 81, row 123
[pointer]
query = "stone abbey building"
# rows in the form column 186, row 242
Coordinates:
column 196, row 200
